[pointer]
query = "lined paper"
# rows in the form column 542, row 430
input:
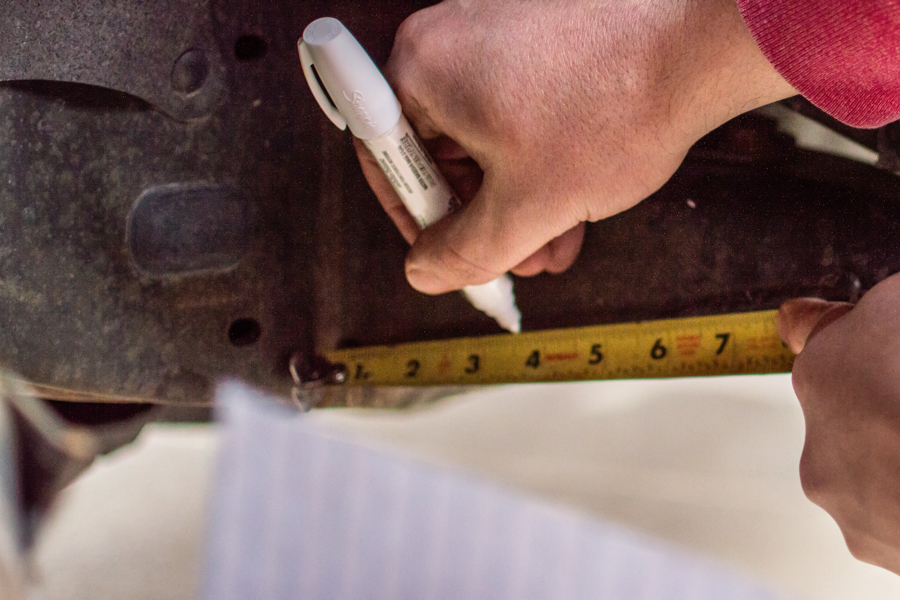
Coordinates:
column 299, row 513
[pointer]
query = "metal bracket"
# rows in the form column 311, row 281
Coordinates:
column 165, row 54
column 310, row 373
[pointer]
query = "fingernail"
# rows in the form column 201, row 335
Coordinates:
column 800, row 318
column 424, row 281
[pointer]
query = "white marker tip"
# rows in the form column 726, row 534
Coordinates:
column 497, row 300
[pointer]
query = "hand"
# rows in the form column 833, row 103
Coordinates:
column 847, row 378
column 545, row 114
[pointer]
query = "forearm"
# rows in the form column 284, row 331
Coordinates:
column 726, row 72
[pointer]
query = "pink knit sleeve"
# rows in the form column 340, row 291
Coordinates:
column 843, row 55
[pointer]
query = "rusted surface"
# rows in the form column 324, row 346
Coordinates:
column 92, row 311
column 166, row 55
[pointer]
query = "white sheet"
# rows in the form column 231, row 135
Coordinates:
column 300, row 514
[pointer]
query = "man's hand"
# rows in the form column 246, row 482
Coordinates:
column 546, row 114
column 847, row 378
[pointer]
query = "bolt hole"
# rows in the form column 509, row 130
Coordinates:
column 244, row 332
column 190, row 72
column 250, row 47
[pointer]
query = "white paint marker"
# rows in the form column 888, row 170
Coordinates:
column 359, row 96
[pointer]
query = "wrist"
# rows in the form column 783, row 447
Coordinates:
column 726, row 72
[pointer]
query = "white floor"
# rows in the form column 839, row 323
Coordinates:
column 711, row 464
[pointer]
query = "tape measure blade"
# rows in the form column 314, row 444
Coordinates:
column 731, row 344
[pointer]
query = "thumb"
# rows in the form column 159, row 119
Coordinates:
column 483, row 240
column 801, row 318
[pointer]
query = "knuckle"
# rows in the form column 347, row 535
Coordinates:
column 407, row 35
column 416, row 43
column 405, row 55
column 803, row 376
column 423, row 47
column 812, row 478
column 815, row 381
column 858, row 546
column 467, row 269
column 417, row 25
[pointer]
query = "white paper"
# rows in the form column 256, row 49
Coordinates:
column 300, row 514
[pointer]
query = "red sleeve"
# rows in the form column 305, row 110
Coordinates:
column 843, row 55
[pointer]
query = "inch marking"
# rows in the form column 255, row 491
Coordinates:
column 717, row 345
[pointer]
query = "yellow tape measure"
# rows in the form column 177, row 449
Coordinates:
column 731, row 344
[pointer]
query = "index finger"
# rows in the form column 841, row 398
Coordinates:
column 386, row 194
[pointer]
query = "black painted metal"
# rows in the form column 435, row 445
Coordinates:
column 163, row 53
column 179, row 229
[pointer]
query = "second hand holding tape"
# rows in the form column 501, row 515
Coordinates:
column 363, row 100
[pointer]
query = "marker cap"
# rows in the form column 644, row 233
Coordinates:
column 360, row 94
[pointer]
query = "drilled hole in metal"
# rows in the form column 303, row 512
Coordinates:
column 250, row 47
column 244, row 332
column 190, row 72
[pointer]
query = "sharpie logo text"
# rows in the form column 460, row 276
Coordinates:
column 356, row 101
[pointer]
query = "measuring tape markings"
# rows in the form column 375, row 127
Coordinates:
column 740, row 343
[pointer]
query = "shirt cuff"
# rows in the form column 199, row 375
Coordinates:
column 842, row 55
